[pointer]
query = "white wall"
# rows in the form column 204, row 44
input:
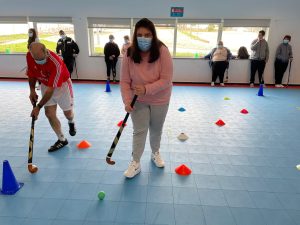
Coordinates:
column 284, row 17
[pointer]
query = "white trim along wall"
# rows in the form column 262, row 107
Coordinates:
column 283, row 16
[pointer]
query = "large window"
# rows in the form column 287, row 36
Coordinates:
column 100, row 29
column 13, row 35
column 195, row 39
column 235, row 37
column 238, row 33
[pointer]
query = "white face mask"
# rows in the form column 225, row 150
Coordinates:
column 220, row 46
column 111, row 40
column 63, row 36
column 30, row 34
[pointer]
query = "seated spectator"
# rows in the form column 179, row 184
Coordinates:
column 219, row 61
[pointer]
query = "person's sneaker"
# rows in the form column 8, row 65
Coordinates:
column 278, row 85
column 38, row 87
column 251, row 85
column 72, row 129
column 114, row 79
column 212, row 84
column 264, row 85
column 282, row 86
column 133, row 169
column 222, row 84
column 58, row 145
column 158, row 161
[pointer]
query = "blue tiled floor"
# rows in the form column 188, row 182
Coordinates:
column 243, row 173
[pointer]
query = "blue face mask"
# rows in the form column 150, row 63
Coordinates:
column 41, row 62
column 285, row 41
column 144, row 43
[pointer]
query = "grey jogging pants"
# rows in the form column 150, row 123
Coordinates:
column 147, row 117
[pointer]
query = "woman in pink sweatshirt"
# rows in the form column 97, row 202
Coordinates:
column 146, row 71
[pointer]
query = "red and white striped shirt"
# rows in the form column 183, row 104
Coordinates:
column 52, row 74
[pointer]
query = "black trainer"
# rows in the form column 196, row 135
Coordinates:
column 58, row 145
column 72, row 129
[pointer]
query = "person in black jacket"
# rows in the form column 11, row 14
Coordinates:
column 111, row 53
column 68, row 49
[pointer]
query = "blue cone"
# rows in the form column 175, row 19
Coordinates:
column 9, row 183
column 261, row 90
column 107, row 88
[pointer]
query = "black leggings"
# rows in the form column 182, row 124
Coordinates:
column 111, row 65
column 257, row 65
column 218, row 70
column 280, row 68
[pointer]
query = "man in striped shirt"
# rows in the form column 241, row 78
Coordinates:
column 45, row 66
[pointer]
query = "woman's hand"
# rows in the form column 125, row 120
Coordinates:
column 139, row 90
column 128, row 108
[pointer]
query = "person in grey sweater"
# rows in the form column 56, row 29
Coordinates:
column 284, row 53
column 259, row 57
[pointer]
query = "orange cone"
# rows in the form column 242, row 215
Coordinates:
column 84, row 144
column 120, row 123
column 220, row 123
column 183, row 170
column 244, row 111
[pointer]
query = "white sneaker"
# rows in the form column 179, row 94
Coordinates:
column 222, row 84
column 278, row 85
column 133, row 169
column 264, row 85
column 251, row 85
column 212, row 84
column 38, row 87
column 158, row 161
column 282, row 86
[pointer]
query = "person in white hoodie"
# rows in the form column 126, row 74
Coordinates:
column 284, row 54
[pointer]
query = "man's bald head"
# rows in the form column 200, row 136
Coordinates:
column 38, row 50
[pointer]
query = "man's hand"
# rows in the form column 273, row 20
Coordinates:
column 139, row 90
column 35, row 112
column 33, row 97
column 111, row 58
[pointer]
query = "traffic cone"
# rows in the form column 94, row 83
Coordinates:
column 107, row 87
column 84, row 144
column 261, row 90
column 220, row 123
column 120, row 123
column 182, row 137
column 9, row 183
column 244, row 111
column 183, row 170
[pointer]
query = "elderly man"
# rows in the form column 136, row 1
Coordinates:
column 45, row 66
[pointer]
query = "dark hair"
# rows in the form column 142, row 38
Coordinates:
column 31, row 39
column 61, row 32
column 288, row 37
column 126, row 37
column 262, row 32
column 243, row 53
column 134, row 52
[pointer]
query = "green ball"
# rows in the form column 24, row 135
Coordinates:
column 101, row 195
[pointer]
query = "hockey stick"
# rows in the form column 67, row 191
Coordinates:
column 116, row 140
column 287, row 84
column 31, row 168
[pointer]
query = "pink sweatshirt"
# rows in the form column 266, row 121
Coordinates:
column 156, row 76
